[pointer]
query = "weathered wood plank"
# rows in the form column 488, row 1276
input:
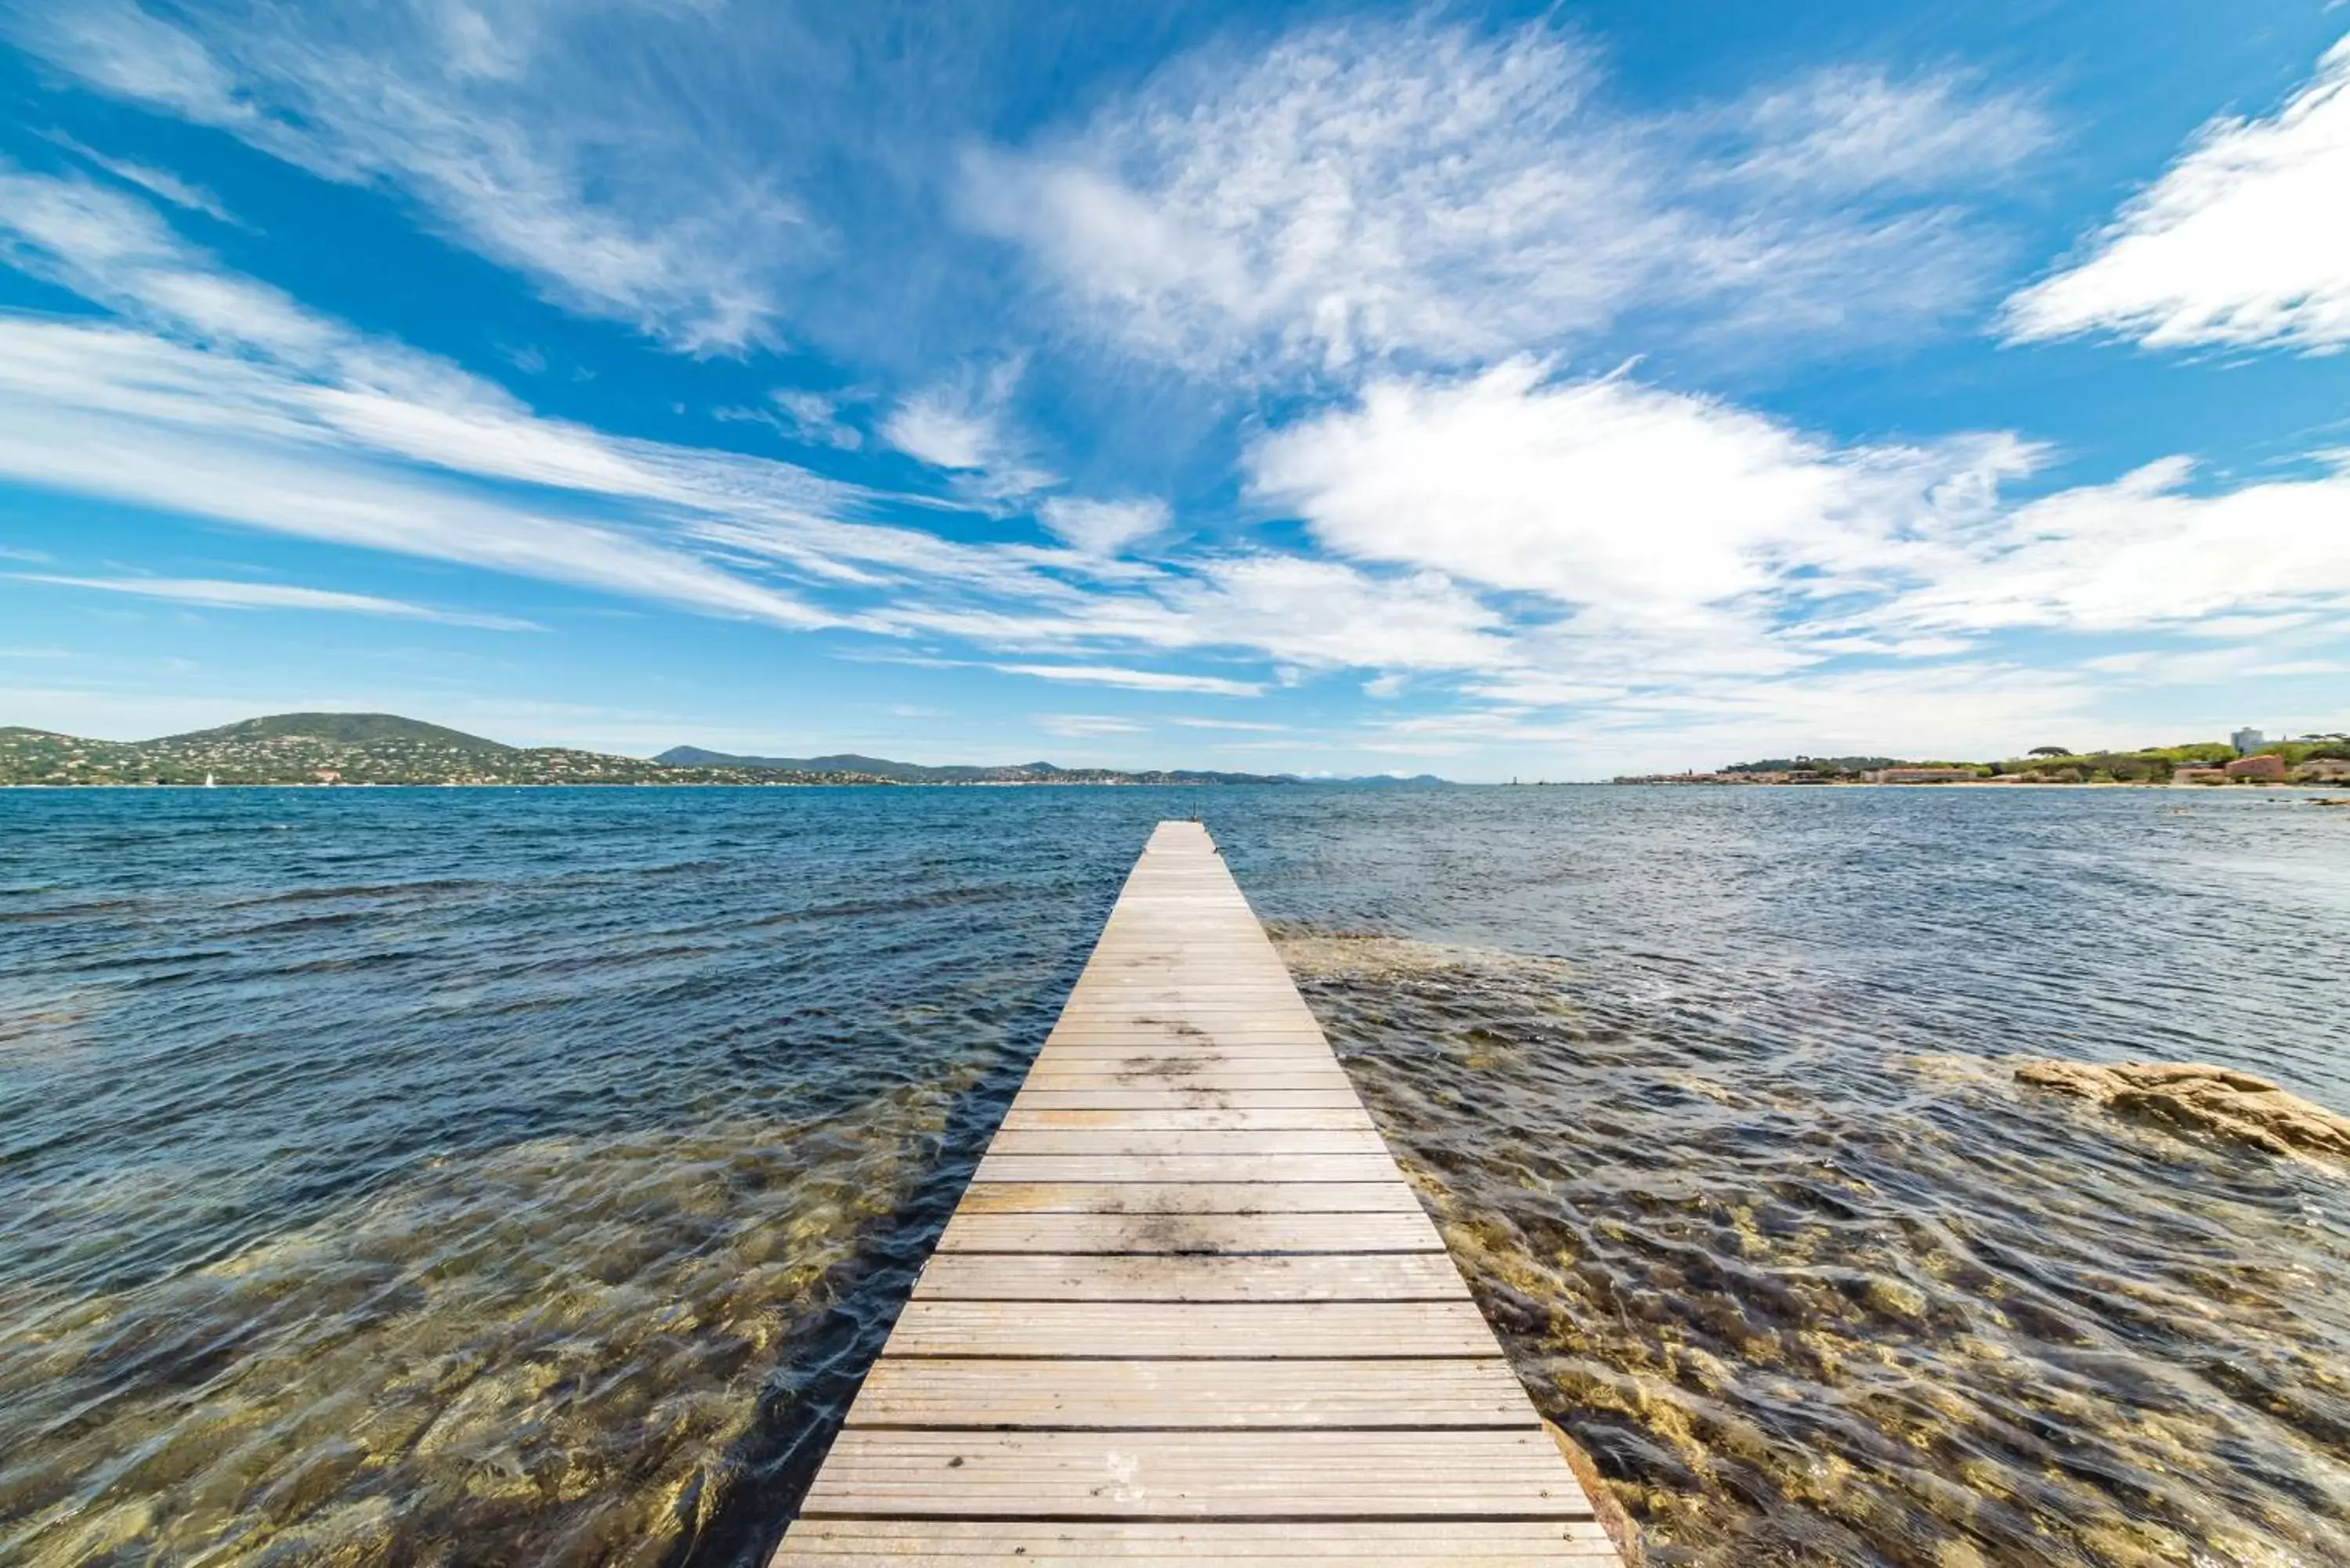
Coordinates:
column 1186, row 1168
column 1177, row 1098
column 1282, row 1331
column 1220, row 1080
column 1339, row 1474
column 1142, row 1395
column 1025, row 1118
column 1179, row 1277
column 992, row 1543
column 1242, row 1144
column 1389, row 1196
column 1396, row 1230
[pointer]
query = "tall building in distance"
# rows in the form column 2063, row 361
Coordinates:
column 2247, row 741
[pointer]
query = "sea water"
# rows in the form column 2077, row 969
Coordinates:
column 527, row 1176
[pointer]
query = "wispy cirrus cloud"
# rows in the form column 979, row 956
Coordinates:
column 964, row 424
column 154, row 181
column 1136, row 680
column 1103, row 527
column 1087, row 726
column 219, row 395
column 1371, row 192
column 224, row 396
column 2240, row 243
column 519, row 129
column 214, row 592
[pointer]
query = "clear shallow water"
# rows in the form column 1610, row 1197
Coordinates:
column 454, row 1175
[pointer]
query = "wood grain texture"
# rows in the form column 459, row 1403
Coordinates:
column 1386, row 1197
column 1229, row 1277
column 1129, row 1234
column 1146, row 1394
column 1244, row 1474
column 945, row 1543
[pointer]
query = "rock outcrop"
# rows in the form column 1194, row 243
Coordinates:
column 2196, row 1095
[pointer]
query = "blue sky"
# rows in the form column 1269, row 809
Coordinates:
column 1543, row 391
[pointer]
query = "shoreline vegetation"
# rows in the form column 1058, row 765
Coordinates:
column 317, row 750
column 2308, row 759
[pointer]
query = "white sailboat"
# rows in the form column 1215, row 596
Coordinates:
column 209, row 783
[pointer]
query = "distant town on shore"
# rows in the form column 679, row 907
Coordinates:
column 353, row 749
column 2246, row 757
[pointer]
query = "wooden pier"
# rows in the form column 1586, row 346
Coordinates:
column 1187, row 1311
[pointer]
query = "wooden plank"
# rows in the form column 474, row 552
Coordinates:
column 1191, row 1058
column 1034, row 1098
column 954, row 1544
column 1245, row 1474
column 1273, row 1331
column 1394, row 1231
column 1389, row 1196
column 1222, row 1080
column 1023, row 1118
column 1186, row 1168
column 1242, row 1144
column 1396, row 1276
column 1144, row 1395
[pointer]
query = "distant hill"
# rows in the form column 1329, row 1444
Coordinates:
column 386, row 748
column 353, row 749
column 339, row 728
column 879, row 767
column 964, row 773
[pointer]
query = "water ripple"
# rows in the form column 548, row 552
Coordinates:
column 443, row 1175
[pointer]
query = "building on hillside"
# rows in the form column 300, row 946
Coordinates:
column 2199, row 775
column 2266, row 768
column 2247, row 741
column 1920, row 775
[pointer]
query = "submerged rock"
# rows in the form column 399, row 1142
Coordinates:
column 2196, row 1095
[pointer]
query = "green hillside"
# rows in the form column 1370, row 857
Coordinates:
column 386, row 749
column 339, row 728
column 349, row 749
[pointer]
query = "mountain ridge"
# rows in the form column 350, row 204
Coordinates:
column 952, row 773
column 330, row 748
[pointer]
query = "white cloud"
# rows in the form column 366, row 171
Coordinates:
column 1307, row 614
column 153, row 180
column 1136, row 680
column 217, row 594
column 2244, row 241
column 172, row 441
column 1083, row 726
column 1643, row 508
column 815, row 419
column 810, row 418
column 1847, row 128
column 929, row 429
column 963, row 425
column 1691, row 552
column 524, row 131
column 1369, row 191
column 257, row 387
column 1104, row 527
column 2146, row 551
column 1320, row 614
